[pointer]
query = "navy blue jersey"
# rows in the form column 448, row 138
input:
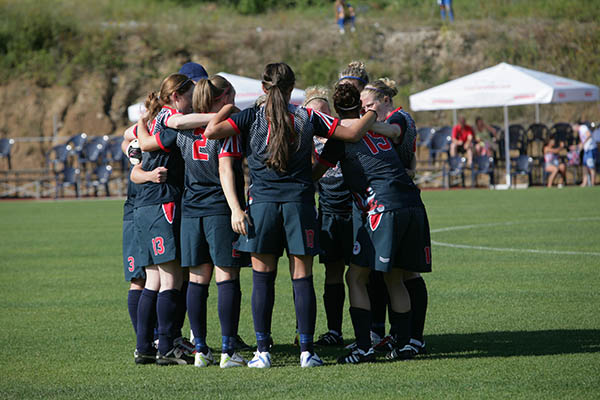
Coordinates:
column 202, row 193
column 167, row 156
column 374, row 172
column 295, row 184
column 406, row 146
column 334, row 194
column 130, row 201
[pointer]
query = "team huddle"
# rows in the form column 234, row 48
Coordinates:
column 188, row 214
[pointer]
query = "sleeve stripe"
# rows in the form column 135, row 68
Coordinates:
column 135, row 131
column 333, row 126
column 157, row 136
column 233, row 124
column 231, row 155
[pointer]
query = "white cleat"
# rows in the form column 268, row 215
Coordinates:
column 232, row 361
column 308, row 360
column 260, row 360
column 202, row 360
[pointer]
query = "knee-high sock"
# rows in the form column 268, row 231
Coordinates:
column 133, row 299
column 361, row 321
column 333, row 299
column 197, row 296
column 378, row 295
column 400, row 330
column 306, row 311
column 146, row 321
column 226, row 307
column 166, row 308
column 263, row 294
column 181, row 310
column 237, row 306
column 417, row 290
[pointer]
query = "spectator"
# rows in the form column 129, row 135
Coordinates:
column 446, row 6
column 553, row 165
column 590, row 153
column 462, row 140
column 485, row 145
column 344, row 14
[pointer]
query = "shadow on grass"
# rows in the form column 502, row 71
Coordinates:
column 475, row 345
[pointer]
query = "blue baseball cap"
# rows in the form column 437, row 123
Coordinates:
column 194, row 71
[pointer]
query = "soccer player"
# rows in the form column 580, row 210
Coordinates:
column 278, row 140
column 335, row 230
column 157, row 216
column 134, row 260
column 395, row 235
column 355, row 74
column 379, row 95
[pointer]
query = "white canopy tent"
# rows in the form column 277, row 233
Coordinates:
column 247, row 90
column 503, row 85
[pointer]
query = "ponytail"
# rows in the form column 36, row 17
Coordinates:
column 173, row 83
column 209, row 91
column 278, row 81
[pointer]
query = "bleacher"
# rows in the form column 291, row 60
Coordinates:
column 86, row 166
column 435, row 167
column 78, row 166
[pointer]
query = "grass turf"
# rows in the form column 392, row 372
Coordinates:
column 501, row 323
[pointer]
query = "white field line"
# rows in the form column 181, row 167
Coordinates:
column 509, row 249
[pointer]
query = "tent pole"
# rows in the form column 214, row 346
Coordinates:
column 454, row 118
column 507, row 147
column 537, row 113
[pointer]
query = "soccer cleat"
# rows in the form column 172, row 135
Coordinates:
column 144, row 358
column 419, row 346
column 308, row 360
column 202, row 360
column 239, row 344
column 260, row 360
column 231, row 361
column 385, row 345
column 375, row 339
column 330, row 339
column 406, row 352
column 185, row 345
column 357, row 356
column 175, row 356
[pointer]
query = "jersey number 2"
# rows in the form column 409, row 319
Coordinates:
column 200, row 144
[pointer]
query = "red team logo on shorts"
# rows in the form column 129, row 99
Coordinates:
column 310, row 238
column 131, row 263
column 169, row 211
column 374, row 220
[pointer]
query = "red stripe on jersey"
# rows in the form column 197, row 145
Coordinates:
column 235, row 127
column 231, row 155
column 135, row 131
column 309, row 110
column 157, row 136
column 173, row 112
column 391, row 113
column 333, row 126
column 323, row 161
column 169, row 211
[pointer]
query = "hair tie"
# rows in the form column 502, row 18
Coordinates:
column 347, row 108
column 317, row 98
column 223, row 94
column 353, row 77
column 375, row 89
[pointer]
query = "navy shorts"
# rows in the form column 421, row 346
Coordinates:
column 394, row 239
column 277, row 226
column 210, row 239
column 335, row 237
column 133, row 260
column 157, row 227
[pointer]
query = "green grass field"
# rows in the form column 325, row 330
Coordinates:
column 514, row 309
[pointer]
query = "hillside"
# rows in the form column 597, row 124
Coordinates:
column 80, row 65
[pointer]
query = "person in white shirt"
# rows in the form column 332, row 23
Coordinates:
column 590, row 153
